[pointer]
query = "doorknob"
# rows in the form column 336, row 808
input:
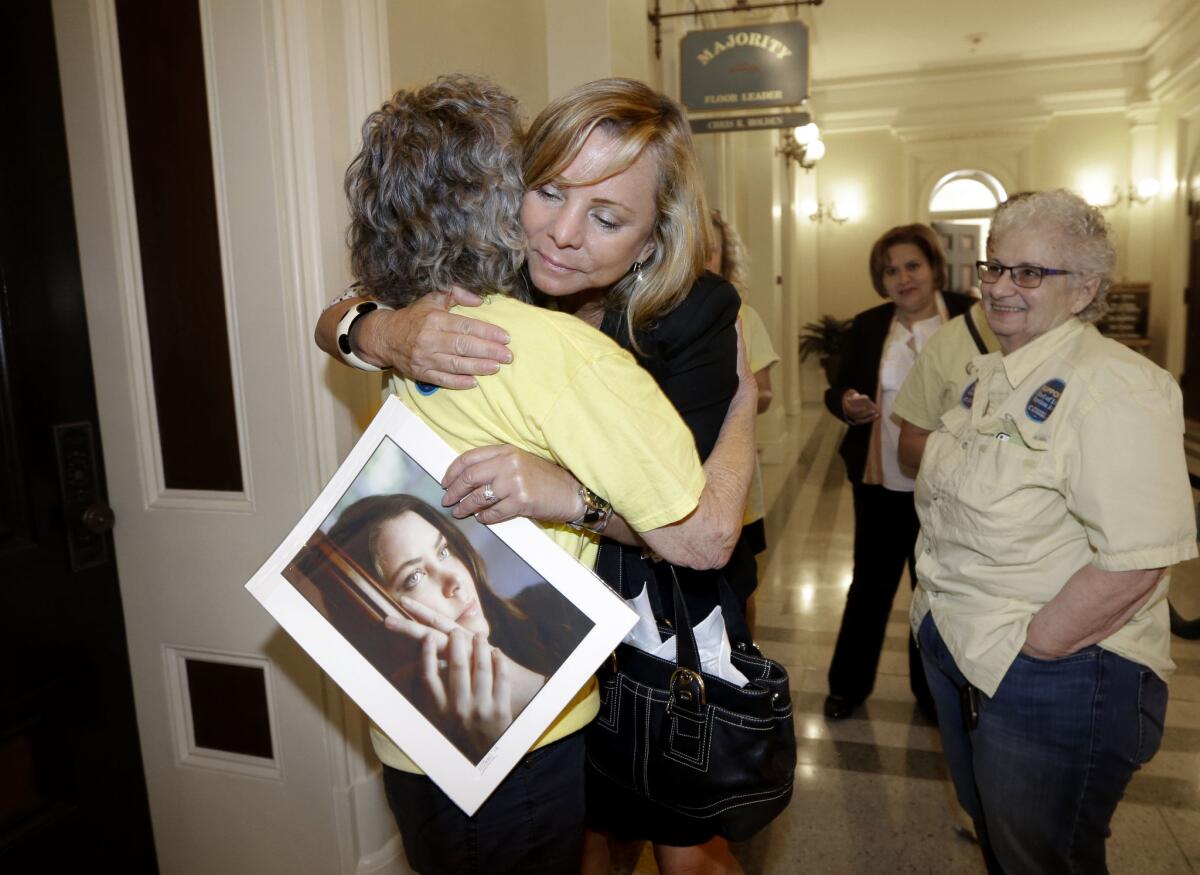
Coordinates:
column 98, row 518
column 87, row 516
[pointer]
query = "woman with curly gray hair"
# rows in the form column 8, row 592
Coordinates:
column 1052, row 499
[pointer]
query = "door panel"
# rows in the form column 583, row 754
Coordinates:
column 72, row 789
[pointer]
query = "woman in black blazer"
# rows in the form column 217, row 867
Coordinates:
column 908, row 268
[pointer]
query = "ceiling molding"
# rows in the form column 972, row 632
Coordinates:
column 963, row 72
column 1017, row 129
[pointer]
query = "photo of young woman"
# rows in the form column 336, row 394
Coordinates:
column 405, row 583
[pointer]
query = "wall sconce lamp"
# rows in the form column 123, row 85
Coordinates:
column 1141, row 193
column 803, row 145
column 819, row 211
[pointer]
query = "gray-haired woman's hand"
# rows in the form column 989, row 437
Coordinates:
column 424, row 341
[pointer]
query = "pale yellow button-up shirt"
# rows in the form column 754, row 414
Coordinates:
column 940, row 378
column 1070, row 454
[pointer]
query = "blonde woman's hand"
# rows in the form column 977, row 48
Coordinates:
column 499, row 482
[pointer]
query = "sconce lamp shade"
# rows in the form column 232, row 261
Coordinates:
column 1147, row 188
column 806, row 134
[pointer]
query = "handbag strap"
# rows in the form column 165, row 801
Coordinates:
column 975, row 335
column 731, row 613
column 626, row 571
column 687, row 654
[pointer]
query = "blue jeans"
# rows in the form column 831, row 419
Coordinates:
column 532, row 823
column 1043, row 770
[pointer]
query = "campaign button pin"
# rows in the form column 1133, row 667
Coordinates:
column 1042, row 402
column 968, row 394
column 426, row 388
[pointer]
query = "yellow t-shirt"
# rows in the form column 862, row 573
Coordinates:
column 575, row 398
column 1071, row 454
column 760, row 354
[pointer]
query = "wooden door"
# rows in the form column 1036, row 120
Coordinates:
column 72, row 790
column 1190, row 381
column 962, row 246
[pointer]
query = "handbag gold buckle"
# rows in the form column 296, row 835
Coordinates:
column 689, row 687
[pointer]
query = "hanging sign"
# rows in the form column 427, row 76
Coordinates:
column 726, row 123
column 753, row 66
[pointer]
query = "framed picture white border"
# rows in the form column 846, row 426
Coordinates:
column 467, row 784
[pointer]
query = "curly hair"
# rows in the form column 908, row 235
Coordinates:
column 921, row 236
column 638, row 118
column 435, row 193
column 733, row 252
column 1080, row 229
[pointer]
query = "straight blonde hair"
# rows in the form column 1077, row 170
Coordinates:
column 638, row 118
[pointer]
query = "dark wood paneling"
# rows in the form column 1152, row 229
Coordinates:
column 71, row 771
column 166, row 113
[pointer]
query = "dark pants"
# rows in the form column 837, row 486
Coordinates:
column 885, row 533
column 532, row 823
column 1051, row 754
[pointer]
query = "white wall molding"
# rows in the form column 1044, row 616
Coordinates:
column 316, row 129
column 368, row 65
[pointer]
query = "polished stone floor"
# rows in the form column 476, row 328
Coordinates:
column 872, row 794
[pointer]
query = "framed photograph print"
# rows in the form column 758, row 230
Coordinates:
column 462, row 642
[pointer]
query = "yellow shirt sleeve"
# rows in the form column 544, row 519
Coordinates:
column 618, row 434
column 1127, row 481
column 920, row 399
column 759, row 351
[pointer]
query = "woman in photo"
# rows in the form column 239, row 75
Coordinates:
column 486, row 656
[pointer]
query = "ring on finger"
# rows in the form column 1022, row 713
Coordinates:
column 488, row 495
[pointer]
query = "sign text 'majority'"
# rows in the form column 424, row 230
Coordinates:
column 744, row 38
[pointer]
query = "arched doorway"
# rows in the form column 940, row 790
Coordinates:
column 961, row 206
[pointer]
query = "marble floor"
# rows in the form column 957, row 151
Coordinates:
column 872, row 794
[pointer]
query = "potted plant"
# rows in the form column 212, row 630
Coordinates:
column 825, row 339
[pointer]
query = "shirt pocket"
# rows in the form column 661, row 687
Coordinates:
column 1009, row 487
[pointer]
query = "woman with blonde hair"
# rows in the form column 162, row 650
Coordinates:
column 616, row 234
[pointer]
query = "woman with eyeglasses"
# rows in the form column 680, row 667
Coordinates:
column 908, row 269
column 1052, row 499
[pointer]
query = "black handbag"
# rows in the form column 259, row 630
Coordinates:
column 676, row 755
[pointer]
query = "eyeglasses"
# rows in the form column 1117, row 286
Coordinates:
column 1024, row 275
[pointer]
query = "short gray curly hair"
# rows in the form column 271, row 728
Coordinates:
column 435, row 193
column 1082, row 229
